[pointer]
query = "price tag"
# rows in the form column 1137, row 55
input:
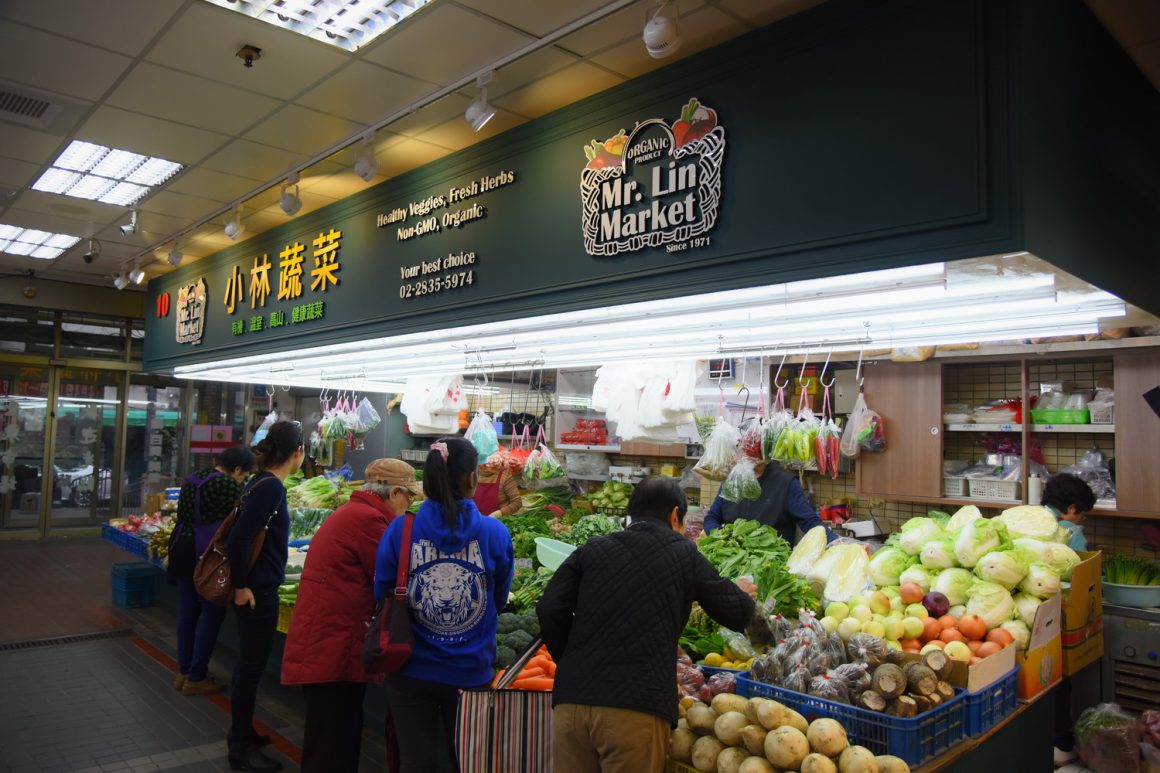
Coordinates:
column 523, row 563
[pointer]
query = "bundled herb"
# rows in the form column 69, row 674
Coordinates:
column 304, row 521
column 524, row 529
column 750, row 548
column 527, row 587
column 591, row 526
column 1131, row 570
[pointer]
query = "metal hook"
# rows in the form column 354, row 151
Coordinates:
column 858, row 374
column 780, row 365
column 745, row 406
column 805, row 359
column 822, row 375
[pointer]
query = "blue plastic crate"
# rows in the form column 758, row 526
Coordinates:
column 913, row 740
column 992, row 704
column 134, row 585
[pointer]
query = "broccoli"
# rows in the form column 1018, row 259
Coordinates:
column 518, row 640
column 530, row 623
column 507, row 623
column 504, row 656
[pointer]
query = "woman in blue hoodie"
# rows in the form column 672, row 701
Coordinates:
column 460, row 575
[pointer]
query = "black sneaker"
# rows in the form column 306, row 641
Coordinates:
column 252, row 759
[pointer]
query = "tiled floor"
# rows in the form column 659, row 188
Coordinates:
column 108, row 704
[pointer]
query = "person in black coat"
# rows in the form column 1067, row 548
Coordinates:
column 611, row 617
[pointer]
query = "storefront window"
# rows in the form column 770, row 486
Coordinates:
column 92, row 337
column 86, row 446
column 155, row 439
column 26, row 332
column 23, row 416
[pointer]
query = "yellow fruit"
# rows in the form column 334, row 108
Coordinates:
column 687, row 702
column 714, row 659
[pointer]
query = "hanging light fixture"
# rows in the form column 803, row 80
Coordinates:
column 366, row 165
column 480, row 112
column 662, row 36
column 137, row 275
column 130, row 228
column 121, row 281
column 236, row 227
column 174, row 255
column 291, row 202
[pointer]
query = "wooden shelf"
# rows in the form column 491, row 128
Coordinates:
column 598, row 449
column 959, row 501
column 1081, row 429
column 984, row 427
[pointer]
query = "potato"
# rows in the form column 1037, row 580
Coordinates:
column 753, row 739
column 797, row 721
column 729, row 760
column 756, row 765
column 891, row 764
column 818, row 763
column 786, row 747
column 727, row 728
column 827, row 737
column 771, row 715
column 682, row 723
column 727, row 701
column 751, row 707
column 701, row 719
column 857, row 759
column 681, row 744
column 705, row 753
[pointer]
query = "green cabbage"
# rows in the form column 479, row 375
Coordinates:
column 1020, row 631
column 917, row 532
column 939, row 554
column 954, row 584
column 887, row 566
column 962, row 517
column 917, row 574
column 1041, row 581
column 848, row 572
column 990, row 601
column 1004, row 567
column 977, row 539
column 1026, row 606
column 808, row 551
column 1059, row 557
column 1030, row 521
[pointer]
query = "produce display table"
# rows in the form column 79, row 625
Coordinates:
column 136, row 544
column 1022, row 741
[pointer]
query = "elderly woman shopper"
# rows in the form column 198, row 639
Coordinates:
column 335, row 601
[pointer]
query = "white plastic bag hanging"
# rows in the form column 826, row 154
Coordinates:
column 720, row 451
column 741, row 484
column 481, row 433
column 864, row 430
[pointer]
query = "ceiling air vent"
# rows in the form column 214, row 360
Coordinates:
column 38, row 109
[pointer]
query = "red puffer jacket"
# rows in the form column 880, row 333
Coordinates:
column 336, row 597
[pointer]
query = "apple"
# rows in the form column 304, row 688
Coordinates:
column 879, row 602
column 892, row 644
column 957, row 650
column 894, row 629
column 874, row 628
column 912, row 626
column 837, row 610
column 849, row 627
column 891, row 591
column 917, row 610
column 829, row 623
column 878, row 618
column 861, row 613
column 855, row 601
column 897, row 605
column 932, row 646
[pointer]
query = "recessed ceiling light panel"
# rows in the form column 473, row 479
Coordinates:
column 34, row 243
column 347, row 24
column 95, row 172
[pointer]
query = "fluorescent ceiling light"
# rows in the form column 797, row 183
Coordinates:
column 347, row 24
column 95, row 172
column 34, row 243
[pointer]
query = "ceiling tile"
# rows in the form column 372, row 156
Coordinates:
column 205, row 39
column 557, row 90
column 617, row 28
column 188, row 99
column 57, row 64
column 28, row 144
column 67, row 206
column 100, row 24
column 151, row 136
column 340, row 185
column 302, row 131
column 16, row 174
column 444, row 44
column 527, row 70
column 365, row 93
column 208, row 184
column 535, row 16
column 700, row 30
column 151, row 227
column 408, row 155
column 762, row 12
column 47, row 221
column 457, row 134
column 167, row 202
column 251, row 160
column 417, row 123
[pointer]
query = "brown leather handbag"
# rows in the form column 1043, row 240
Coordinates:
column 211, row 576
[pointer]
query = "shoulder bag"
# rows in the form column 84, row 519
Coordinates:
column 389, row 637
column 212, row 577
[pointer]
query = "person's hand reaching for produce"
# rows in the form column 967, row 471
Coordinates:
column 758, row 630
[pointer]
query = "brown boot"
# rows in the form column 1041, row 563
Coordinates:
column 179, row 681
column 206, row 686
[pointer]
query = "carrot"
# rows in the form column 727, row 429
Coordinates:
column 542, row 683
column 529, row 673
column 498, row 675
column 539, row 662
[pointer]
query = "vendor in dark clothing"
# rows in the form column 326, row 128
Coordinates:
column 782, row 505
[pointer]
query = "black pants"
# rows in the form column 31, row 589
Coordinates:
column 256, row 629
column 424, row 716
column 334, row 721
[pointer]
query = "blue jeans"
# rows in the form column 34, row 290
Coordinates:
column 198, row 623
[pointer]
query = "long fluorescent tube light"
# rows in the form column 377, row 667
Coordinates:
column 86, row 170
column 33, row 243
column 346, row 24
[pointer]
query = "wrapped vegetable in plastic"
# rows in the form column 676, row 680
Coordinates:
column 848, row 573
column 774, row 426
column 797, row 680
column 856, row 676
column 720, row 451
column 767, row 669
column 690, row 679
column 807, row 552
column 864, row 430
column 741, row 484
column 864, row 648
column 782, row 627
column 723, row 681
column 736, row 645
column 752, row 439
column 830, row 689
column 808, row 620
column 835, row 647
column 1108, row 740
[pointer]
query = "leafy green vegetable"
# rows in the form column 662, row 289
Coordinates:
column 750, row 548
column 527, row 587
column 304, row 521
column 524, row 529
column 590, row 526
column 1131, row 570
column 697, row 644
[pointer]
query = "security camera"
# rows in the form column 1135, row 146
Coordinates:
column 89, row 257
column 94, row 251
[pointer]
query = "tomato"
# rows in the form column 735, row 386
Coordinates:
column 930, row 629
column 951, row 634
column 988, row 648
column 948, row 621
column 973, row 627
column 973, row 645
column 1000, row 636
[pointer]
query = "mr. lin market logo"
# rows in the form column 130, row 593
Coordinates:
column 191, row 311
column 659, row 186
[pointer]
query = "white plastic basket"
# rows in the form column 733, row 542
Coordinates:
column 985, row 488
column 954, row 486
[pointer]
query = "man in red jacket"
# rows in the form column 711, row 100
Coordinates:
column 335, row 601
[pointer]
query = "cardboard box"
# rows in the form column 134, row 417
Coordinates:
column 1083, row 609
column 981, row 675
column 1041, row 665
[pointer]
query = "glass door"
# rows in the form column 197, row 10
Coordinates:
column 24, row 395
column 86, row 447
